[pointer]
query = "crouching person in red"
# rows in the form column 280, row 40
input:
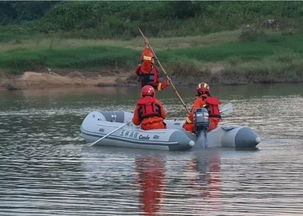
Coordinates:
column 204, row 100
column 149, row 111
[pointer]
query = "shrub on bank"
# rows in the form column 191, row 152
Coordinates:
column 87, row 19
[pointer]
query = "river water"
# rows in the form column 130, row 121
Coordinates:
column 47, row 169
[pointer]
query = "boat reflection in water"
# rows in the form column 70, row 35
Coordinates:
column 200, row 188
column 150, row 171
column 153, row 182
column 206, row 167
column 163, row 189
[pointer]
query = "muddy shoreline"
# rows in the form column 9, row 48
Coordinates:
column 49, row 80
column 46, row 80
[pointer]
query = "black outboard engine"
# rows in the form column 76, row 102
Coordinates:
column 201, row 120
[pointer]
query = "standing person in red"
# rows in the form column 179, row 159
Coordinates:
column 204, row 100
column 149, row 111
column 147, row 71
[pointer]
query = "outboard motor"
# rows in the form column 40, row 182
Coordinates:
column 201, row 126
column 201, row 120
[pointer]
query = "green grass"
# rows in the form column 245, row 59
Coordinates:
column 286, row 67
column 56, row 40
column 12, row 37
column 18, row 61
column 253, row 50
column 271, row 58
column 56, row 52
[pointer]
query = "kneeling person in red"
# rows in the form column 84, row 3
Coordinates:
column 149, row 111
column 204, row 100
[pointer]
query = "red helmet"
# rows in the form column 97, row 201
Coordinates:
column 147, row 55
column 147, row 91
column 203, row 88
column 147, row 61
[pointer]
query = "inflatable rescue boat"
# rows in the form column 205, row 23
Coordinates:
column 124, row 134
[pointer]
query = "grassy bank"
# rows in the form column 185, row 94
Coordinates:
column 54, row 52
column 219, row 57
column 92, row 57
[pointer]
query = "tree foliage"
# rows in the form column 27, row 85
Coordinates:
column 16, row 12
column 120, row 19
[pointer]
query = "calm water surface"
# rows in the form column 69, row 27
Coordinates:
column 46, row 168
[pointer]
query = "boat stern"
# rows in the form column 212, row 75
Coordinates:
column 246, row 138
column 184, row 142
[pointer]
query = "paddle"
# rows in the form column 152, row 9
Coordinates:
column 164, row 71
column 227, row 109
column 98, row 140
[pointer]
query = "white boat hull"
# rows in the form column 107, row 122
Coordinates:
column 98, row 124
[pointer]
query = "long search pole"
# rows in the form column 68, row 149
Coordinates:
column 164, row 71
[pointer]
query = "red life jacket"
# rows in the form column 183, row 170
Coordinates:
column 212, row 105
column 148, row 107
column 150, row 78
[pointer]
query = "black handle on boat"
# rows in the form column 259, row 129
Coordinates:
column 164, row 71
column 98, row 140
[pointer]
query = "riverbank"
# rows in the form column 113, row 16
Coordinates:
column 218, row 58
column 218, row 74
column 36, row 80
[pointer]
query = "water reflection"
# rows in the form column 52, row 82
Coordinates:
column 163, row 190
column 206, row 166
column 150, row 172
column 203, row 171
column 46, row 168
